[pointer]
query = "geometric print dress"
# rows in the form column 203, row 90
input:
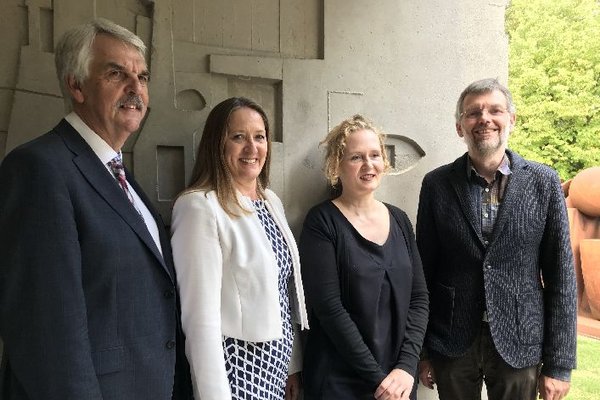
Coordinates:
column 259, row 370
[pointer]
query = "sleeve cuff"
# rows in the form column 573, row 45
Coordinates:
column 562, row 374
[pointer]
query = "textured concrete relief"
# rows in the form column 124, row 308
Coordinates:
column 291, row 28
column 233, row 48
column 36, row 97
column 310, row 63
column 403, row 152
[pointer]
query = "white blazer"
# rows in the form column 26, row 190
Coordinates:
column 228, row 283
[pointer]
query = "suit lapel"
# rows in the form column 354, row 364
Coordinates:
column 163, row 236
column 459, row 182
column 516, row 184
column 98, row 177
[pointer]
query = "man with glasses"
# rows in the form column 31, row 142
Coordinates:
column 493, row 235
column 88, row 298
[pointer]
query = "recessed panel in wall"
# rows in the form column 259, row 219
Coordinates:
column 266, row 93
column 46, row 30
column 403, row 152
column 170, row 171
column 343, row 105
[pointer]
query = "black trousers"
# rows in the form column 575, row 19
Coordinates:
column 462, row 378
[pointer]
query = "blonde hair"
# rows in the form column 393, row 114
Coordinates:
column 335, row 143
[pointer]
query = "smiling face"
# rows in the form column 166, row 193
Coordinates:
column 113, row 99
column 485, row 123
column 362, row 165
column 246, row 149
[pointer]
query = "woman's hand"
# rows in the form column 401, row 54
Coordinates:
column 292, row 387
column 396, row 386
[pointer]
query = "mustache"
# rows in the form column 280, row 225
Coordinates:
column 131, row 99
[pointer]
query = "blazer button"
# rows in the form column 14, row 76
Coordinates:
column 170, row 344
column 488, row 267
column 169, row 293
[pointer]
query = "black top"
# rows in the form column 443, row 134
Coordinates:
column 368, row 304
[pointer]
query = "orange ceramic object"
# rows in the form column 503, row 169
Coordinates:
column 590, row 265
column 584, row 192
column 583, row 202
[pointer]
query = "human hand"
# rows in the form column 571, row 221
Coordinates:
column 292, row 387
column 426, row 375
column 396, row 386
column 552, row 389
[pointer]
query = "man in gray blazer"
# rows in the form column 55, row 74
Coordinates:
column 88, row 300
column 493, row 234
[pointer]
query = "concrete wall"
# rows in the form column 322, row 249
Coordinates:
column 311, row 63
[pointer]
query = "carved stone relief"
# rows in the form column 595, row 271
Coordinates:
column 310, row 63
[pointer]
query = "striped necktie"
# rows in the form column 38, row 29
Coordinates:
column 116, row 166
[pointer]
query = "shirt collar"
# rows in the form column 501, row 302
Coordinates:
column 102, row 149
column 503, row 168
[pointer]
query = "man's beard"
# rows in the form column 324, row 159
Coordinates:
column 488, row 146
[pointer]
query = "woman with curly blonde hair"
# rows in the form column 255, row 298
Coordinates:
column 364, row 283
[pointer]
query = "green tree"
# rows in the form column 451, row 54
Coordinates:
column 554, row 75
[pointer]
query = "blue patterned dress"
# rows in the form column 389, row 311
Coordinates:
column 259, row 370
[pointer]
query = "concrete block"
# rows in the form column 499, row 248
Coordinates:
column 37, row 72
column 6, row 102
column 32, row 115
column 14, row 33
column 261, row 67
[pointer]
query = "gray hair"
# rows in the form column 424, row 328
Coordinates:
column 73, row 51
column 484, row 86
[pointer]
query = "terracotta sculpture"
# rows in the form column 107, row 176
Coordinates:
column 583, row 202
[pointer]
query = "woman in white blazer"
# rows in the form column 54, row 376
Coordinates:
column 237, row 265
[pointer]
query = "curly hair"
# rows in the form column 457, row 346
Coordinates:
column 335, row 143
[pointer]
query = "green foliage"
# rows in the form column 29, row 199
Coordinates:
column 554, row 75
column 584, row 380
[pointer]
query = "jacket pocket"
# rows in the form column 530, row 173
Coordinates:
column 108, row 360
column 530, row 317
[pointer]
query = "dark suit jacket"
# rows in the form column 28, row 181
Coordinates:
column 524, row 278
column 88, row 306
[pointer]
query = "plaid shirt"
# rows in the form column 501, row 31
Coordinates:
column 488, row 196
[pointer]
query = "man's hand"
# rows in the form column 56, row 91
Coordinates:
column 426, row 375
column 552, row 389
column 292, row 387
column 396, row 386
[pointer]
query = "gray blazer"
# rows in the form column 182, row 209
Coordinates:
column 524, row 278
column 88, row 306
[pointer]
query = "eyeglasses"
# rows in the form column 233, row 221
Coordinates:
column 476, row 113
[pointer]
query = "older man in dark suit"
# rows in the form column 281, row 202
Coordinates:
column 493, row 235
column 88, row 300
